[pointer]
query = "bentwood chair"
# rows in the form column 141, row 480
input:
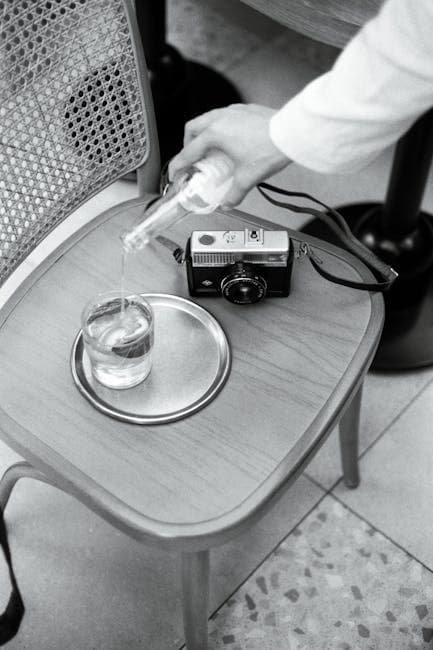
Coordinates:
column 75, row 115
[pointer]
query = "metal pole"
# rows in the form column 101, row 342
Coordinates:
column 151, row 19
column 408, row 179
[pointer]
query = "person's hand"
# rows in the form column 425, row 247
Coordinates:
column 241, row 131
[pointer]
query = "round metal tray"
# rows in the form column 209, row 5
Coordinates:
column 191, row 363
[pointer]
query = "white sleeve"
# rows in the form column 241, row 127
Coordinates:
column 381, row 82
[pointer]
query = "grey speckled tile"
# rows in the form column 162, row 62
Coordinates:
column 396, row 494
column 334, row 584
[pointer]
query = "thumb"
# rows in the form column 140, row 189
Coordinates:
column 242, row 183
column 191, row 153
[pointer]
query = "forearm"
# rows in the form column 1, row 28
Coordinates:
column 380, row 84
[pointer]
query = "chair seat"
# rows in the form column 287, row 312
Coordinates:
column 195, row 482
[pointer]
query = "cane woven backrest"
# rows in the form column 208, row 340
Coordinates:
column 72, row 114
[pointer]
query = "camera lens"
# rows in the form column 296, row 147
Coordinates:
column 243, row 286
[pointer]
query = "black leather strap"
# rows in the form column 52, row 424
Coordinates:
column 334, row 220
column 10, row 619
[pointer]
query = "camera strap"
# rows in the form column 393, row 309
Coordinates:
column 336, row 222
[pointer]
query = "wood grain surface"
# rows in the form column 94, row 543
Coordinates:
column 295, row 361
column 329, row 21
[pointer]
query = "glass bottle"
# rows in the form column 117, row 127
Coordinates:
column 200, row 189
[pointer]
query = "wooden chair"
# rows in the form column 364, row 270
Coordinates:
column 75, row 115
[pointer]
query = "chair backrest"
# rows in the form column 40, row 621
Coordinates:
column 75, row 113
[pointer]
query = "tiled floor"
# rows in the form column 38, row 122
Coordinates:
column 328, row 568
column 337, row 579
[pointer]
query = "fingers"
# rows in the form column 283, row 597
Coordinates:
column 243, row 182
column 192, row 152
column 194, row 127
column 198, row 124
column 201, row 128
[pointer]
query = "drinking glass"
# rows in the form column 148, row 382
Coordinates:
column 118, row 335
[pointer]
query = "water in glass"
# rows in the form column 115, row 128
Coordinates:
column 118, row 334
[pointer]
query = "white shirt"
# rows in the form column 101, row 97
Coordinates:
column 380, row 84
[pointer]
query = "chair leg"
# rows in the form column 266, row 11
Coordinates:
column 349, row 430
column 13, row 474
column 195, row 586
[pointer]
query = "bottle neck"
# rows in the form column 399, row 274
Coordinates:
column 159, row 216
column 201, row 189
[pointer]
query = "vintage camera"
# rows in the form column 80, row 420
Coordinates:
column 244, row 266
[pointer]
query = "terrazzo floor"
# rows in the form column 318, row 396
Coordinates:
column 335, row 582
column 327, row 568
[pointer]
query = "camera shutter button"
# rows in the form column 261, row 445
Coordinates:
column 206, row 240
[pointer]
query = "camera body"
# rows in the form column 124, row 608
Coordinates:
column 244, row 266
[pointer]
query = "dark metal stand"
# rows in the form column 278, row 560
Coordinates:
column 181, row 89
column 402, row 235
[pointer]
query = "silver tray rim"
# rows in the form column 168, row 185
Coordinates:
column 212, row 391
